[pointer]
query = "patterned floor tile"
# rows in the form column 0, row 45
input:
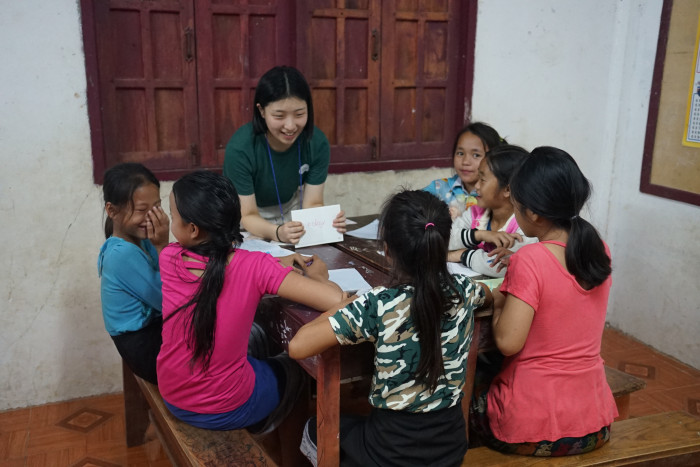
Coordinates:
column 85, row 420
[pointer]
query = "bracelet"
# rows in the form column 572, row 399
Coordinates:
column 463, row 257
column 277, row 233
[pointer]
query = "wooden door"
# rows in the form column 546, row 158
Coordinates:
column 147, row 82
column 170, row 81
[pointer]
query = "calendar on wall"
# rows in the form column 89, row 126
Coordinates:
column 692, row 118
column 671, row 160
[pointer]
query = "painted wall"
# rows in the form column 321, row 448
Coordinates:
column 564, row 73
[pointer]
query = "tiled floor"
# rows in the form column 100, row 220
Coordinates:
column 90, row 431
column 671, row 385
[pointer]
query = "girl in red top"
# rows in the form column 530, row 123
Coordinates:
column 551, row 397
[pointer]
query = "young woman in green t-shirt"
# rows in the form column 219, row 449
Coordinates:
column 279, row 161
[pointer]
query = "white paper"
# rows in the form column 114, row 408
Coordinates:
column 370, row 231
column 256, row 244
column 457, row 268
column 349, row 280
column 318, row 224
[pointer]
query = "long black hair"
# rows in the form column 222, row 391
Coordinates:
column 209, row 201
column 278, row 83
column 415, row 227
column 120, row 183
column 504, row 160
column 550, row 184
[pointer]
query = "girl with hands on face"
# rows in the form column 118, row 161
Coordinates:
column 136, row 230
column 485, row 235
column 279, row 161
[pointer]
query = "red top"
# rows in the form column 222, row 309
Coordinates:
column 555, row 386
column 229, row 381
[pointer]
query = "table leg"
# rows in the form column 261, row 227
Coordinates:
column 328, row 408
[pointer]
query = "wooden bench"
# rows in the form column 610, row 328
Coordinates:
column 665, row 439
column 184, row 444
column 622, row 386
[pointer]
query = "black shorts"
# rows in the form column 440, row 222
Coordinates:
column 139, row 349
column 396, row 438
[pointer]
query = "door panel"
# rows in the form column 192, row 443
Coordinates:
column 237, row 42
column 420, row 110
column 335, row 53
column 147, row 87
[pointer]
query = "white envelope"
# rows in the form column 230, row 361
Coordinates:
column 318, row 224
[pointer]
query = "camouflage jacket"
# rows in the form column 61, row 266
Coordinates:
column 383, row 316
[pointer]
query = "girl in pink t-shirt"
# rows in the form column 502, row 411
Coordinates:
column 550, row 397
column 211, row 290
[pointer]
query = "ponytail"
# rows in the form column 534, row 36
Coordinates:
column 211, row 203
column 202, row 326
column 586, row 258
column 550, row 184
column 415, row 226
column 109, row 227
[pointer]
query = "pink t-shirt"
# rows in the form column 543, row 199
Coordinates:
column 555, row 386
column 229, row 380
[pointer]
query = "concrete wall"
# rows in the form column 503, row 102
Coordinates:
column 557, row 72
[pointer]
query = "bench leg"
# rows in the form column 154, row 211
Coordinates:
column 135, row 409
column 623, row 407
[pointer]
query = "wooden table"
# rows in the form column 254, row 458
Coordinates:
column 369, row 251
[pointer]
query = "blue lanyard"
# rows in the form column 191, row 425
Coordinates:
column 274, row 177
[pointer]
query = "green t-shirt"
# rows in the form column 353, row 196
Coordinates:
column 247, row 165
column 383, row 316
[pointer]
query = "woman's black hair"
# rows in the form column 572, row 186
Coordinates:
column 120, row 183
column 210, row 202
column 550, row 184
column 486, row 133
column 278, row 83
column 415, row 227
column 504, row 160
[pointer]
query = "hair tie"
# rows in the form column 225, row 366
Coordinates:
column 573, row 218
column 429, row 224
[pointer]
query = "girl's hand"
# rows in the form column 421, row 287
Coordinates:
column 455, row 256
column 500, row 257
column 339, row 222
column 456, row 209
column 317, row 270
column 291, row 232
column 498, row 238
column 157, row 227
column 299, row 262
